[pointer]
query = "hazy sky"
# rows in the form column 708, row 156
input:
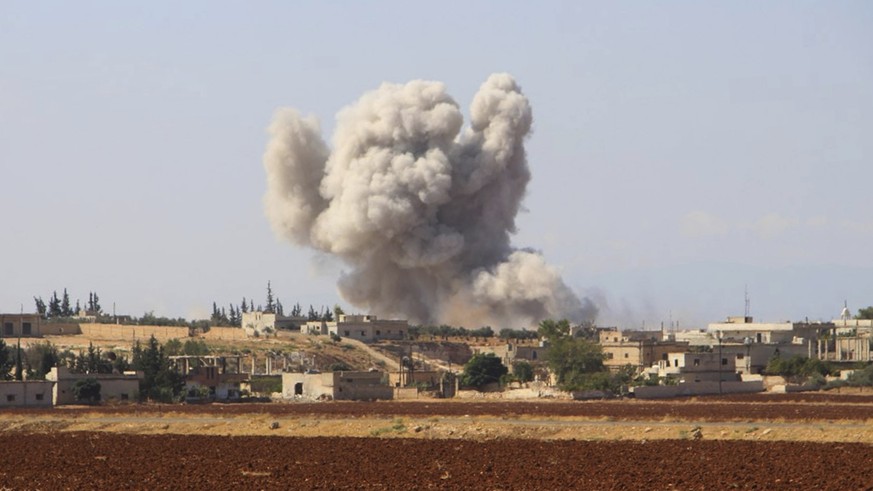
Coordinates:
column 681, row 150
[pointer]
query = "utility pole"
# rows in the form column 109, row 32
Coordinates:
column 718, row 333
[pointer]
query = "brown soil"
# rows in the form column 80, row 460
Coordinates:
column 855, row 408
column 117, row 461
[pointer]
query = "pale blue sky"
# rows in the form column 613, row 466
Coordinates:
column 681, row 150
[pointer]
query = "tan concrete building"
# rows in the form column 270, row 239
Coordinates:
column 27, row 393
column 340, row 386
column 118, row 387
column 261, row 323
column 366, row 328
column 744, row 329
column 20, row 325
column 512, row 352
column 639, row 349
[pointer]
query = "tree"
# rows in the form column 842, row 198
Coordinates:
column 296, row 311
column 326, row 314
column 216, row 314
column 244, row 307
column 42, row 357
column 87, row 390
column 54, row 305
column 173, row 347
column 338, row 311
column 865, row 313
column 232, row 318
column 271, row 307
column 93, row 304
column 313, row 314
column 797, row 369
column 575, row 362
column 523, row 371
column 19, row 363
column 553, row 330
column 160, row 382
column 40, row 306
column 280, row 310
column 483, row 369
column 66, row 311
column 195, row 347
column 7, row 361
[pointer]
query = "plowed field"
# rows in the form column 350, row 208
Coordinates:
column 117, row 461
column 856, row 409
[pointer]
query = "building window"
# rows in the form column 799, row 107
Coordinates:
column 697, row 362
column 627, row 355
column 346, row 333
column 7, row 329
column 609, row 356
column 10, row 397
column 124, row 397
column 25, row 329
column 724, row 361
column 378, row 333
column 740, row 356
column 362, row 333
column 39, row 397
column 533, row 355
column 676, row 362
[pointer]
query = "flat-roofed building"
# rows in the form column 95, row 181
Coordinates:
column 20, row 325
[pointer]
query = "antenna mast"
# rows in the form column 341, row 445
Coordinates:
column 748, row 308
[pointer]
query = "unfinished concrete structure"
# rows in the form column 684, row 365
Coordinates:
column 208, row 377
column 113, row 386
column 348, row 386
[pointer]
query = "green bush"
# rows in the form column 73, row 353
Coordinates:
column 483, row 369
column 87, row 390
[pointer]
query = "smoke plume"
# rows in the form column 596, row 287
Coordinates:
column 419, row 210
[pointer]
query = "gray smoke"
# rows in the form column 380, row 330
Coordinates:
column 420, row 211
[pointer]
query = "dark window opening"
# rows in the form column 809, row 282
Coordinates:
column 40, row 397
column 25, row 329
column 10, row 397
column 298, row 389
column 7, row 329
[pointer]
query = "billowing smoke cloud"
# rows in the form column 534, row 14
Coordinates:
column 420, row 211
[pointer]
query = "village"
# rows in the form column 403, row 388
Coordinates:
column 277, row 358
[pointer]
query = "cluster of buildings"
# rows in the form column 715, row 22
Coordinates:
column 727, row 356
column 734, row 351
